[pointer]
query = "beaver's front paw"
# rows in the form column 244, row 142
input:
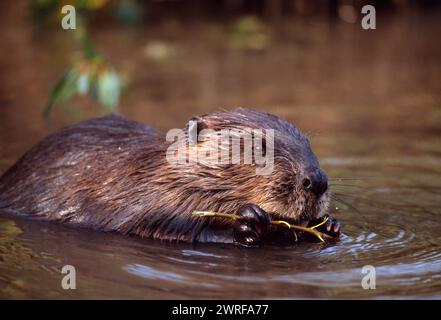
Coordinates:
column 331, row 227
column 249, row 230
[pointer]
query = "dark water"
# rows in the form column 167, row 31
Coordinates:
column 370, row 102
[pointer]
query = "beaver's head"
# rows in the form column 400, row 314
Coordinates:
column 293, row 187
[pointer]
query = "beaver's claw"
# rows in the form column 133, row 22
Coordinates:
column 249, row 230
column 332, row 226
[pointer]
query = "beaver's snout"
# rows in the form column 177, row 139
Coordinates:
column 315, row 181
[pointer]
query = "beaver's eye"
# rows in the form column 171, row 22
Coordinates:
column 307, row 183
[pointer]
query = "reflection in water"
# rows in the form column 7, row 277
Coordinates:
column 370, row 105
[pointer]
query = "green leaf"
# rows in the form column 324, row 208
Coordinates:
column 63, row 89
column 83, row 83
column 108, row 90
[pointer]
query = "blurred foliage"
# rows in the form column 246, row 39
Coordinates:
column 90, row 75
column 159, row 50
column 87, row 77
column 50, row 10
column 128, row 12
column 257, row 22
column 250, row 33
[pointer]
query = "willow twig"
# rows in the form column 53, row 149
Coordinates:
column 235, row 217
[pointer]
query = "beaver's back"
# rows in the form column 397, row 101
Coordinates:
column 51, row 178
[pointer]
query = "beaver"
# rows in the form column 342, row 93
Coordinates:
column 112, row 174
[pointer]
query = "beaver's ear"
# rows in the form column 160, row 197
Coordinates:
column 194, row 126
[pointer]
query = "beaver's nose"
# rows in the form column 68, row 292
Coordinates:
column 316, row 181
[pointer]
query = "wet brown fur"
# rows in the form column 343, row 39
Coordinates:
column 111, row 174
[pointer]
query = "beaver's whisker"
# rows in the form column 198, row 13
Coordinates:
column 345, row 203
column 349, row 195
column 345, row 179
column 348, row 186
column 363, row 202
column 383, row 204
column 345, row 185
column 352, row 178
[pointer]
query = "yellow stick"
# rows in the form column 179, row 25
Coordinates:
column 235, row 217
